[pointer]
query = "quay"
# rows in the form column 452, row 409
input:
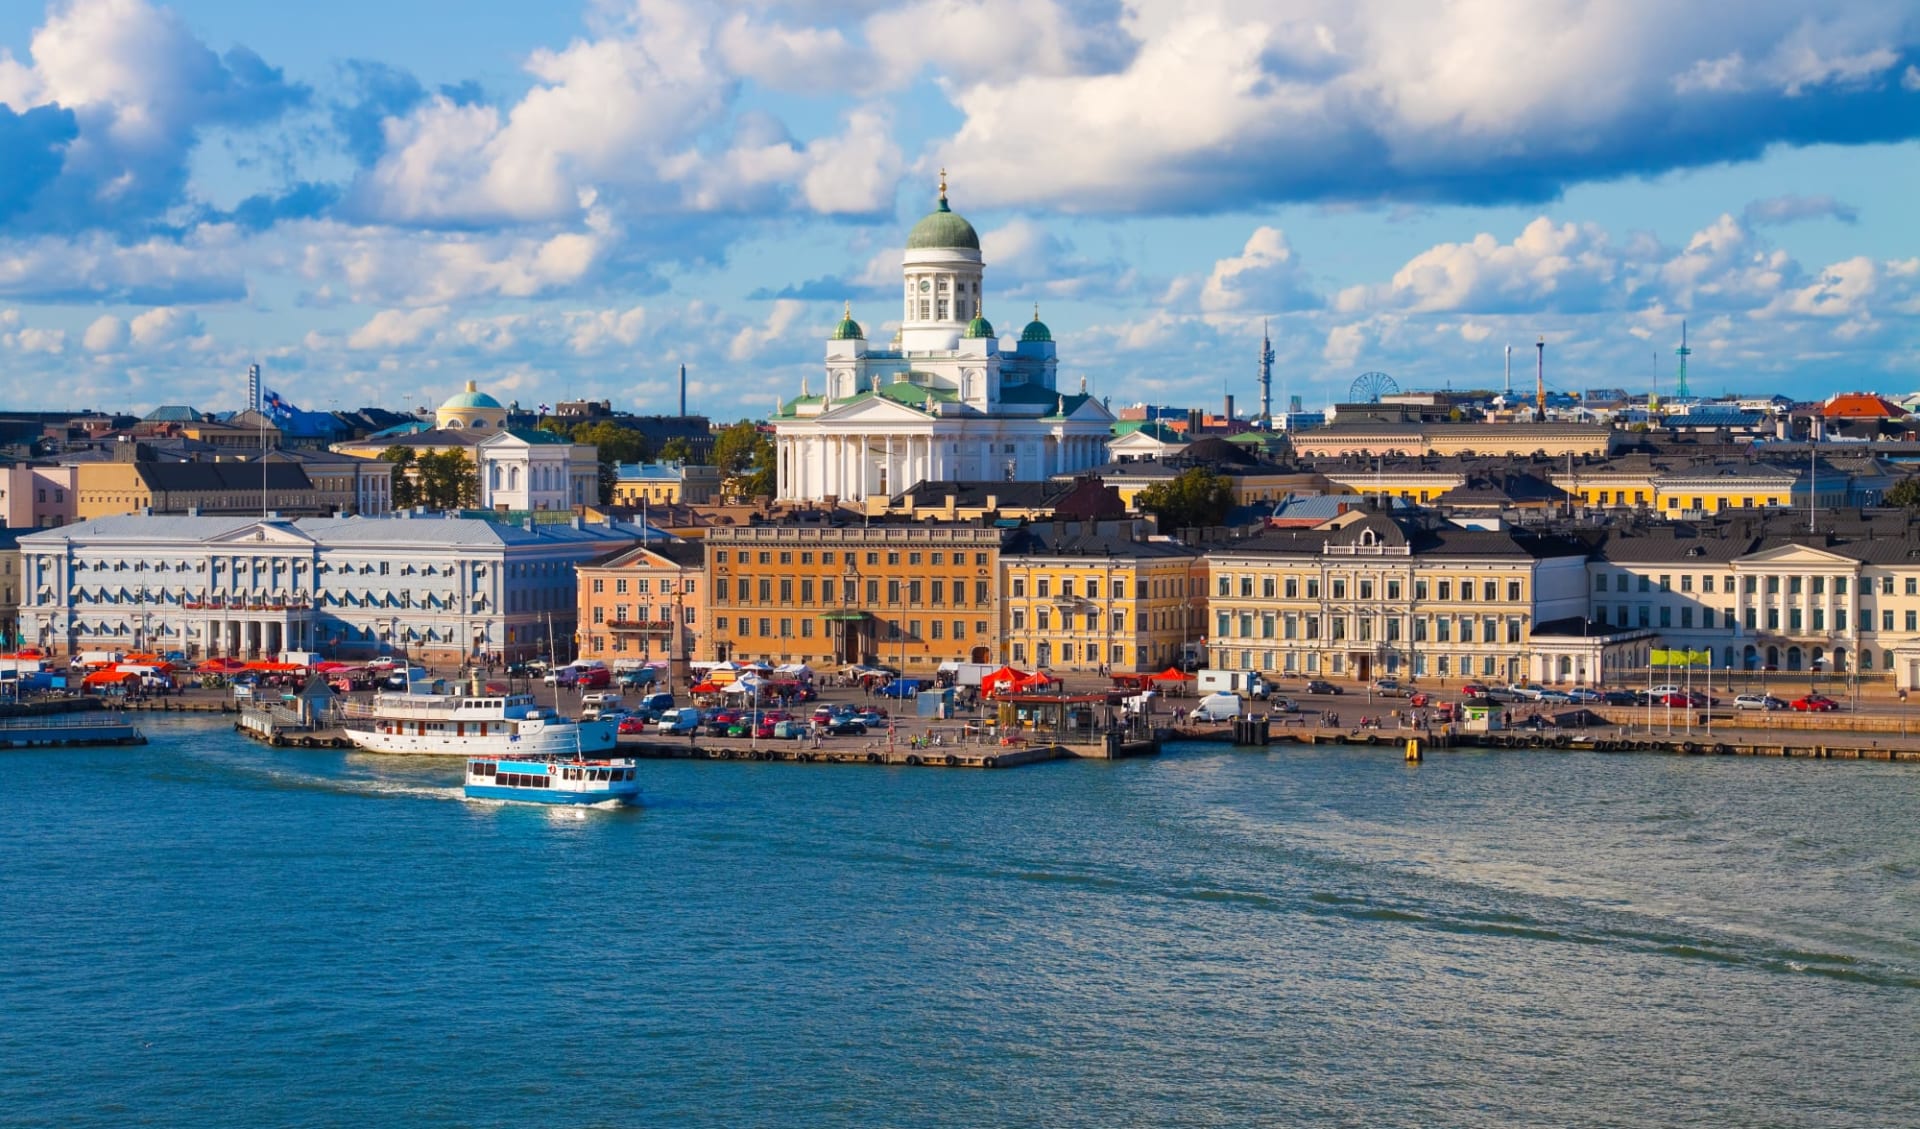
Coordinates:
column 1731, row 741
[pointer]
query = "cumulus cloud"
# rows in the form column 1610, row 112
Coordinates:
column 1554, row 266
column 1264, row 278
column 133, row 90
column 107, row 334
column 1360, row 100
column 395, row 329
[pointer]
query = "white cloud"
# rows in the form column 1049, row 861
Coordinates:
column 395, row 329
column 1563, row 266
column 107, row 334
column 593, row 330
column 163, row 326
column 750, row 341
column 1264, row 278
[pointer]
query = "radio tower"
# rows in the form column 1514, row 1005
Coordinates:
column 1680, row 389
column 1266, row 378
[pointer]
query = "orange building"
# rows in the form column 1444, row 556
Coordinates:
column 645, row 604
column 910, row 595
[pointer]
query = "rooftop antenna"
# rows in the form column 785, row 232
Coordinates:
column 1509, row 374
column 1266, row 378
column 1680, row 389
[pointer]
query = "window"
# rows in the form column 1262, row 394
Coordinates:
column 1489, row 591
column 1446, row 590
column 1686, row 582
column 1513, row 591
column 1339, row 589
column 1886, row 618
column 1913, row 586
column 1839, row 585
column 1366, row 589
column 1646, row 584
column 1225, row 586
column 1019, row 619
column 1020, row 587
column 1268, row 586
column 1043, row 587
column 1313, row 588
column 1913, row 621
column 1393, row 589
column 1293, row 588
column 1419, row 589
column 1819, row 585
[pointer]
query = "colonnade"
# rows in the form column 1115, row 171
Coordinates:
column 852, row 466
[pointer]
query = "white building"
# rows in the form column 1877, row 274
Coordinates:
column 942, row 401
column 535, row 470
column 438, row 590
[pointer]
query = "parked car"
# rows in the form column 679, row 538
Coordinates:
column 1531, row 691
column 1389, row 688
column 1815, row 703
column 1473, row 690
column 846, row 727
column 632, row 723
column 1620, row 698
column 872, row 719
column 1585, row 696
column 678, row 722
column 1655, row 691
column 1420, row 699
column 720, row 722
column 1555, row 697
column 1321, row 686
column 1675, row 700
column 1501, row 694
column 1758, row 702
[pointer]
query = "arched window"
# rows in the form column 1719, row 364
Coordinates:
column 1866, row 658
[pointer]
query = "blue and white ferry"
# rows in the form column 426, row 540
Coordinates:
column 553, row 780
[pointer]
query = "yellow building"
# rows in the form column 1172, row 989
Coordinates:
column 1092, row 596
column 1411, row 481
column 1387, row 437
column 107, row 489
column 1677, row 487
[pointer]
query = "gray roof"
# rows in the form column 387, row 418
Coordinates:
column 429, row 531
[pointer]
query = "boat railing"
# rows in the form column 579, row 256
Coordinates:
column 91, row 719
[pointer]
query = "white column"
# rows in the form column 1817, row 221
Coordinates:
column 893, row 476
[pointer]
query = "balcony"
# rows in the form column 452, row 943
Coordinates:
column 642, row 626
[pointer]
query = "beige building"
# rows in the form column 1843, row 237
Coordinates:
column 1403, row 595
column 1382, row 437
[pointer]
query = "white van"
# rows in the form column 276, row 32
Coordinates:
column 1216, row 707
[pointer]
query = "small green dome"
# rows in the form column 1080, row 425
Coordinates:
column 1036, row 329
column 942, row 228
column 471, row 398
column 848, row 329
column 979, row 327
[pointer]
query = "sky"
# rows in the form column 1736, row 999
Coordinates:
column 378, row 202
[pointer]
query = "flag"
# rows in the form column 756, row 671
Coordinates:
column 545, row 408
column 276, row 405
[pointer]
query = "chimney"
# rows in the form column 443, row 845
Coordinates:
column 683, row 391
column 1229, row 410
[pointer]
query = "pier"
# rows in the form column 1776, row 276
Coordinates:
column 87, row 727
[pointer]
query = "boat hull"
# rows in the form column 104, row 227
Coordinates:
column 552, row 795
column 582, row 738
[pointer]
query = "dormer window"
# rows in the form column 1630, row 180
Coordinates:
column 1366, row 537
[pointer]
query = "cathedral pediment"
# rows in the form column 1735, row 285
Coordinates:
column 872, row 409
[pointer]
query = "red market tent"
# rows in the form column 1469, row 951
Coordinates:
column 275, row 668
column 111, row 678
column 706, row 688
column 993, row 683
column 221, row 666
column 1035, row 681
column 1173, row 674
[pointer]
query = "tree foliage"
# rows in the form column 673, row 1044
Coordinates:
column 1905, row 492
column 1197, row 497
column 446, row 481
column 678, row 450
column 404, row 492
column 746, row 453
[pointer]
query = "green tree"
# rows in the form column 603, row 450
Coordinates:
column 448, row 480
column 1197, row 497
column 405, row 491
column 678, row 450
column 747, row 454
column 1906, row 493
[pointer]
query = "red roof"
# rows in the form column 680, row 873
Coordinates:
column 1861, row 405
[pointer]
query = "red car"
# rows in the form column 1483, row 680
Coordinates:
column 1815, row 703
column 1473, row 690
column 1677, row 701
column 633, row 723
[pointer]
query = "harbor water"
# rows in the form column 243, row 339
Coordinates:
column 203, row 931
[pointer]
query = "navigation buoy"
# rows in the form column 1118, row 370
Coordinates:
column 1413, row 750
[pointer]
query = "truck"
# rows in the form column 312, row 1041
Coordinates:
column 301, row 658
column 1217, row 707
column 1248, row 682
column 967, row 674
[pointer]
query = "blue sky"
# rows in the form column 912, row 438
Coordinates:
column 377, row 202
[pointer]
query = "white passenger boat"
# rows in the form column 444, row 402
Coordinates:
column 558, row 780
column 474, row 725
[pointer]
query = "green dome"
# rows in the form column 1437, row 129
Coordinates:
column 471, row 398
column 979, row 327
column 848, row 329
column 1036, row 329
column 942, row 228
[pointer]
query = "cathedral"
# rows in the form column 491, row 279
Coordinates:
column 941, row 402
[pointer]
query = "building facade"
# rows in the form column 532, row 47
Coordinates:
column 1098, row 596
column 645, row 604
column 909, row 595
column 1405, row 595
column 942, row 401
column 437, row 590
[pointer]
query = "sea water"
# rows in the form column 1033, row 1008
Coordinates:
column 204, row 931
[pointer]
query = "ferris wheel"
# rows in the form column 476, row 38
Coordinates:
column 1368, row 387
